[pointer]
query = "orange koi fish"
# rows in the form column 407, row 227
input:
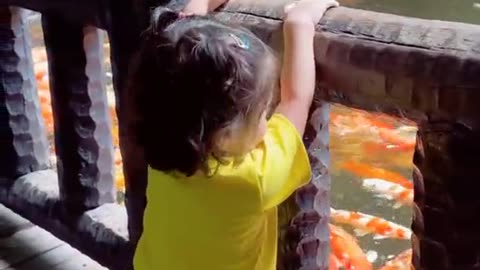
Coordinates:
column 401, row 262
column 365, row 170
column 119, row 179
column 345, row 247
column 45, row 98
column 39, row 54
column 364, row 224
column 390, row 191
column 334, row 263
column 118, row 157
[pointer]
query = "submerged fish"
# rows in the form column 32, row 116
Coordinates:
column 401, row 262
column 368, row 171
column 395, row 137
column 345, row 247
column 364, row 224
column 389, row 190
column 334, row 263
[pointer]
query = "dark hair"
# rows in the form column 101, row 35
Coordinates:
column 193, row 77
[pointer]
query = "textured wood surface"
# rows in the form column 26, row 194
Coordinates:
column 447, row 206
column 100, row 233
column 24, row 246
column 83, row 141
column 304, row 232
column 23, row 141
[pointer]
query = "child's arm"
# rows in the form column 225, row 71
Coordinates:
column 202, row 7
column 298, row 70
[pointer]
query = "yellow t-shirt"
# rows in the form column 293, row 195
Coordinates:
column 227, row 221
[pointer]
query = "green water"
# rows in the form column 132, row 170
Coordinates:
column 450, row 10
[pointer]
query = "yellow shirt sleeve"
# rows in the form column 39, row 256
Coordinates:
column 284, row 163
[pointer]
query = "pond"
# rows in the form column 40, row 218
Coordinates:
column 450, row 10
column 371, row 153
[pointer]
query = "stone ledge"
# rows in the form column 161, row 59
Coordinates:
column 100, row 233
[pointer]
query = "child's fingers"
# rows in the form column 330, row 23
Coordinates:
column 288, row 7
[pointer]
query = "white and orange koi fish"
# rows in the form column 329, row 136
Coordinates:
column 390, row 191
column 364, row 224
column 346, row 249
column 401, row 262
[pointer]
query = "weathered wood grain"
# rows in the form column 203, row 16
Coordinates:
column 32, row 248
column 23, row 141
column 100, row 233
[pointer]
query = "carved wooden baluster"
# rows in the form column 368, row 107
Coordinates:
column 82, row 125
column 124, row 37
column 23, row 141
column 306, row 243
column 447, row 219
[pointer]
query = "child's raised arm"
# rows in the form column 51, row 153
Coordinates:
column 202, row 7
column 298, row 70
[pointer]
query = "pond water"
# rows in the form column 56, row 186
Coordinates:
column 450, row 10
column 363, row 145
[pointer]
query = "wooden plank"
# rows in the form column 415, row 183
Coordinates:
column 24, row 245
column 47, row 259
column 76, row 262
column 63, row 257
column 10, row 223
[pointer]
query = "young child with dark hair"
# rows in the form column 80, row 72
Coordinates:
column 218, row 168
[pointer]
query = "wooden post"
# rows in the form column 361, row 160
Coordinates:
column 124, row 40
column 447, row 205
column 23, row 141
column 82, row 125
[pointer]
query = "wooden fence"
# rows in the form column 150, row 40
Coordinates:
column 428, row 71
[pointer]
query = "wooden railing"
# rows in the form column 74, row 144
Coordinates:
column 428, row 71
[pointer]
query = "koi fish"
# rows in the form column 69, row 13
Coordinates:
column 394, row 137
column 334, row 263
column 119, row 179
column 365, row 170
column 118, row 157
column 390, row 191
column 401, row 262
column 365, row 224
column 39, row 54
column 345, row 247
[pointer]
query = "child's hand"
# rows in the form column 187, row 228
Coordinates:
column 202, row 7
column 307, row 11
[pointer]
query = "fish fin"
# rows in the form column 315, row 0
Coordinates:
column 379, row 237
column 360, row 232
column 397, row 205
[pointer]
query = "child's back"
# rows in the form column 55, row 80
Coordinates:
column 226, row 221
column 217, row 168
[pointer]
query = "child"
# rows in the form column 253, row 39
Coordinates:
column 217, row 168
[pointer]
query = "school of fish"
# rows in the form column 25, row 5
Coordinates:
column 345, row 250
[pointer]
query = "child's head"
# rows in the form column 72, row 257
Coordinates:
column 201, row 90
